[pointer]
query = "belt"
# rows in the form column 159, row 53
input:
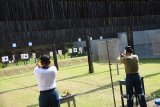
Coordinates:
column 133, row 74
column 45, row 91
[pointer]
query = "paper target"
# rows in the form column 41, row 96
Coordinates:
column 80, row 49
column 75, row 50
column 70, row 50
column 60, row 52
column 14, row 45
column 51, row 54
column 5, row 59
column 34, row 55
column 24, row 56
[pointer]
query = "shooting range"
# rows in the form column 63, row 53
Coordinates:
column 102, row 27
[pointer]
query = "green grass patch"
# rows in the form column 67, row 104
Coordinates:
column 13, row 69
column 21, row 90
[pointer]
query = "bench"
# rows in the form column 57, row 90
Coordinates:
column 68, row 99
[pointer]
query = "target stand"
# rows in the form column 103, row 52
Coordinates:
column 25, row 58
column 5, row 61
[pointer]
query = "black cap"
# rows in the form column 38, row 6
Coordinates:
column 45, row 59
column 129, row 49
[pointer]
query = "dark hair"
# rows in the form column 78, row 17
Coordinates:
column 129, row 49
column 45, row 60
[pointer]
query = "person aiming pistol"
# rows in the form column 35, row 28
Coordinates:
column 46, row 79
column 133, row 79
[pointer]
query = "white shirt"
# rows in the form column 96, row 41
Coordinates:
column 46, row 78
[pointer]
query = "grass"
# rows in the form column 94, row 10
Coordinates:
column 12, row 69
column 95, row 89
column 32, row 60
column 20, row 62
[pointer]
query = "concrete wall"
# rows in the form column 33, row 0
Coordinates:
column 143, row 43
column 93, row 47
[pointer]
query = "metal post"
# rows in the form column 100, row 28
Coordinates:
column 55, row 56
column 109, row 63
column 89, row 53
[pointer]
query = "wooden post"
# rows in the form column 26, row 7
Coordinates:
column 89, row 53
column 55, row 56
column 130, row 37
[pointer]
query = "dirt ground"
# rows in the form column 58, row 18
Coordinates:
column 151, row 104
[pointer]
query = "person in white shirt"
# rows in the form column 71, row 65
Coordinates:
column 46, row 79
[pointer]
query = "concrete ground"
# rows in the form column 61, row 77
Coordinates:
column 151, row 104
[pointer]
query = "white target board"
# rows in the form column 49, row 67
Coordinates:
column 14, row 45
column 155, row 44
column 29, row 43
column 51, row 54
column 79, row 39
column 80, row 49
column 70, row 50
column 60, row 52
column 5, row 59
column 33, row 55
column 101, row 37
column 24, row 56
column 13, row 57
column 113, row 51
column 75, row 50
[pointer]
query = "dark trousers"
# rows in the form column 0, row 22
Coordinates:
column 133, row 81
column 49, row 98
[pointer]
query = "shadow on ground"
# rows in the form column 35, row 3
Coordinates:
column 116, row 83
column 78, row 76
column 151, row 75
column 156, row 93
column 33, row 105
column 18, row 89
column 16, row 77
